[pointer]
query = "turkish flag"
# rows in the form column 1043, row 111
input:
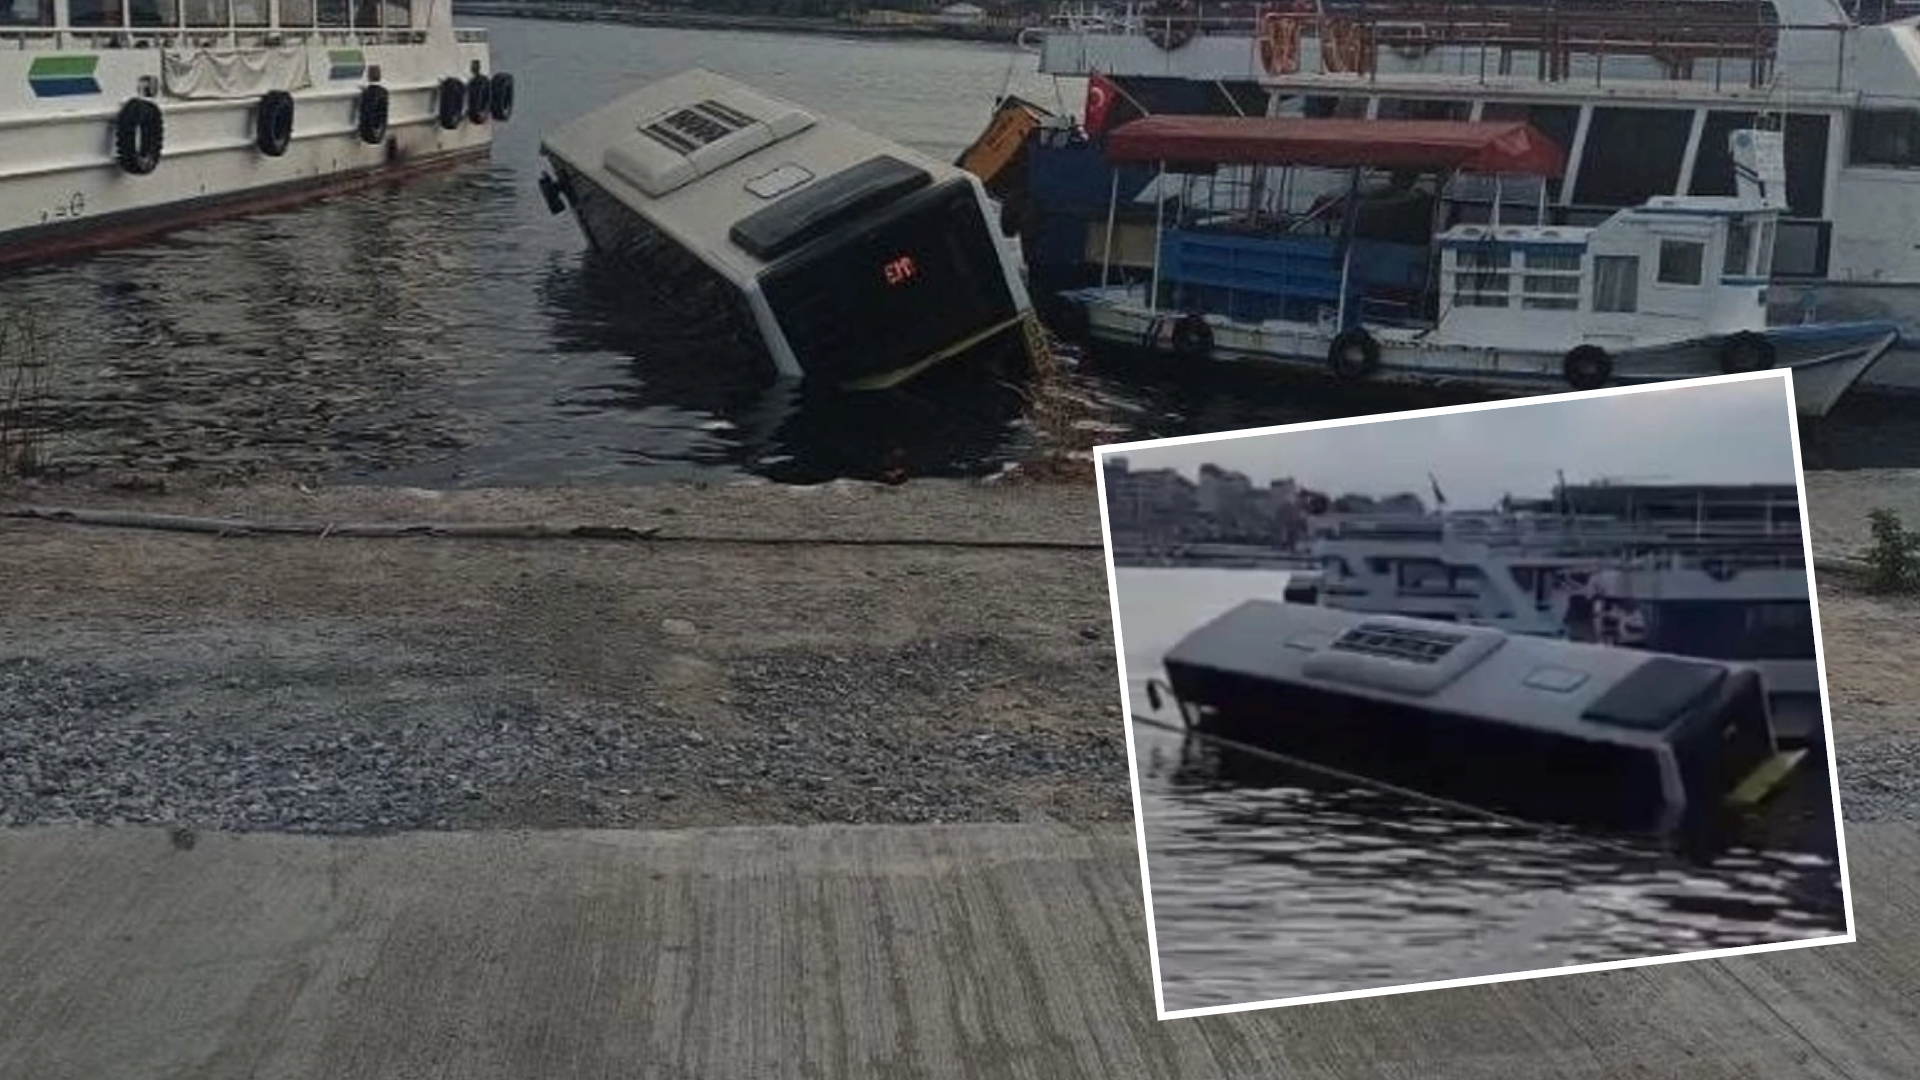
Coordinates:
column 1101, row 95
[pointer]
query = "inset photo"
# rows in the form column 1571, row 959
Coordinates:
column 1474, row 694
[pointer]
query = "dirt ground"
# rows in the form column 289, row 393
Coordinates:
column 678, row 681
column 1872, row 653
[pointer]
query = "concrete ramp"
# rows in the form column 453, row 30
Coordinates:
column 897, row 953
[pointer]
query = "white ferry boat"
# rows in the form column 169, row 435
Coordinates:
column 849, row 258
column 1667, row 290
column 122, row 118
column 1641, row 93
column 1719, row 588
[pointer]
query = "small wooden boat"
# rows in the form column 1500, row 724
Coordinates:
column 1671, row 289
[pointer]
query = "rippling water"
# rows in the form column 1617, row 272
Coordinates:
column 449, row 331
column 1271, row 883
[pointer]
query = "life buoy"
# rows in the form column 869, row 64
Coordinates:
column 1746, row 351
column 273, row 123
column 1192, row 337
column 1171, row 24
column 1353, row 354
column 1344, row 47
column 479, row 99
column 1587, row 367
column 139, row 133
column 453, row 102
column 502, row 96
column 372, row 120
column 1279, row 43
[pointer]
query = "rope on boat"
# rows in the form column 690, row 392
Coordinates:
column 535, row 530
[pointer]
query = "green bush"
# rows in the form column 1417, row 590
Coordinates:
column 1894, row 558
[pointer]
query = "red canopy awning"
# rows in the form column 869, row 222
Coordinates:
column 1416, row 145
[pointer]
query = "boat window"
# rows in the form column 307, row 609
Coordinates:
column 251, row 13
column 89, row 13
column 146, row 13
column 1553, row 260
column 1558, row 288
column 296, row 13
column 31, row 13
column 1807, row 164
column 206, row 12
column 1632, row 155
column 1423, row 109
column 1551, row 293
column 1481, row 290
column 1800, row 248
column 1733, row 630
column 1886, row 137
column 1557, row 122
column 1346, row 108
column 1616, row 283
column 1739, row 260
column 1437, row 579
column 397, row 14
column 1806, row 159
column 332, row 12
column 1681, row 262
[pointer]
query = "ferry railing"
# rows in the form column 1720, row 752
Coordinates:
column 114, row 37
column 1716, row 48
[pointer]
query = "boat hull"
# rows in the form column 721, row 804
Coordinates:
column 1826, row 360
column 65, row 192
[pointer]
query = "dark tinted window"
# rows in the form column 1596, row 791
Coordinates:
column 1655, row 694
column 1631, row 155
column 1806, row 151
column 1423, row 109
column 1556, row 122
column 1885, row 137
column 1806, row 165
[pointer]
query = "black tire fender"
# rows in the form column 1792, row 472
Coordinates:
column 501, row 103
column 139, row 135
column 273, row 123
column 479, row 99
column 1746, row 351
column 1353, row 354
column 453, row 102
column 373, row 112
column 1587, row 367
column 1192, row 336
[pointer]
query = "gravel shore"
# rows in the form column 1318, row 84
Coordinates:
column 348, row 686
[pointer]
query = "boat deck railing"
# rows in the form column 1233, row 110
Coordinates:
column 1726, row 42
column 230, row 34
column 1558, row 534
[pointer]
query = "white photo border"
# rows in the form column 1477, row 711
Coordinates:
column 1100, row 453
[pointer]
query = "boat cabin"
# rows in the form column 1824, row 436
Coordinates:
column 1615, row 738
column 1254, row 235
column 1689, row 263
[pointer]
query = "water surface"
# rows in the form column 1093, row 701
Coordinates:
column 449, row 332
